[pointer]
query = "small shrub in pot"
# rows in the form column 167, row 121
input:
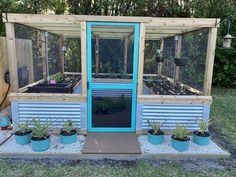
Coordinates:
column 23, row 134
column 40, row 140
column 202, row 137
column 155, row 134
column 180, row 139
column 68, row 134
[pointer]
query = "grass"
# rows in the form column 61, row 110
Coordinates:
column 140, row 169
column 223, row 110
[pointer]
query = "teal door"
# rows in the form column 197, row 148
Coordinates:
column 112, row 65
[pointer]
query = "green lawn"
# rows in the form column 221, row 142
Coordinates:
column 223, row 111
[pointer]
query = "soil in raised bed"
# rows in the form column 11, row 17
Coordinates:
column 66, row 85
column 162, row 86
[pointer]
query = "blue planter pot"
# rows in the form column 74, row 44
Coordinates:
column 5, row 121
column 201, row 140
column 155, row 139
column 68, row 139
column 23, row 139
column 180, row 146
column 40, row 145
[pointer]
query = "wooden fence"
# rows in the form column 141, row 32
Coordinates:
column 24, row 58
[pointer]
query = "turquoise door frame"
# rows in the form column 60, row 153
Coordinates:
column 97, row 86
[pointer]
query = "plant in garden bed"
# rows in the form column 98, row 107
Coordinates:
column 202, row 136
column 180, row 139
column 68, row 134
column 56, row 78
column 155, row 134
column 23, row 134
column 40, row 140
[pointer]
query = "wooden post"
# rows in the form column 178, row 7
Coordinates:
column 160, row 64
column 141, row 58
column 84, row 58
column 178, row 55
column 97, row 54
column 11, row 54
column 60, row 63
column 211, row 45
column 125, row 54
column 44, row 62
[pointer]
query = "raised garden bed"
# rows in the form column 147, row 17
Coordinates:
column 162, row 86
column 66, row 85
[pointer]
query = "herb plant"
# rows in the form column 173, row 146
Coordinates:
column 23, row 127
column 68, row 126
column 155, row 126
column 180, row 132
column 203, row 125
column 58, row 77
column 40, row 130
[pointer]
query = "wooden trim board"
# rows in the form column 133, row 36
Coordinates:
column 175, row 99
column 49, row 97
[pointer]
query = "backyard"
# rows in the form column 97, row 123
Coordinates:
column 223, row 130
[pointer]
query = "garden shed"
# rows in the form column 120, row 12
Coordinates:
column 111, row 74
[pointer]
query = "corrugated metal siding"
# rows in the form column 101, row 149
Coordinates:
column 112, row 93
column 171, row 114
column 56, row 113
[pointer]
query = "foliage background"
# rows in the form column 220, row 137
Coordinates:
column 225, row 60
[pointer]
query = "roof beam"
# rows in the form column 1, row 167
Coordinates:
column 76, row 19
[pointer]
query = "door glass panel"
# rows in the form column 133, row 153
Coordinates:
column 111, row 108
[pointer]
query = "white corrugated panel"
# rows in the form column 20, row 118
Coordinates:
column 55, row 113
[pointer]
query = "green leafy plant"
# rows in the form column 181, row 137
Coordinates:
column 40, row 130
column 203, row 125
column 155, row 126
column 23, row 127
column 58, row 77
column 68, row 126
column 180, row 132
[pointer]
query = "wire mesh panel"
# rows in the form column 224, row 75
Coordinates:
column 175, row 65
column 72, row 57
column 28, row 53
column 194, row 49
column 150, row 62
column 53, row 53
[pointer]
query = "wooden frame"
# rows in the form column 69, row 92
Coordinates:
column 211, row 45
column 75, row 26
column 141, row 58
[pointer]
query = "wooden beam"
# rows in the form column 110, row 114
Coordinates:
column 97, row 55
column 178, row 55
column 84, row 58
column 76, row 19
column 48, row 97
column 141, row 58
column 174, row 99
column 44, row 62
column 210, row 60
column 160, row 64
column 125, row 54
column 11, row 54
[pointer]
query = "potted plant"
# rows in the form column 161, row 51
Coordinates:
column 23, row 134
column 202, row 136
column 180, row 139
column 155, row 134
column 40, row 140
column 180, row 61
column 68, row 134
